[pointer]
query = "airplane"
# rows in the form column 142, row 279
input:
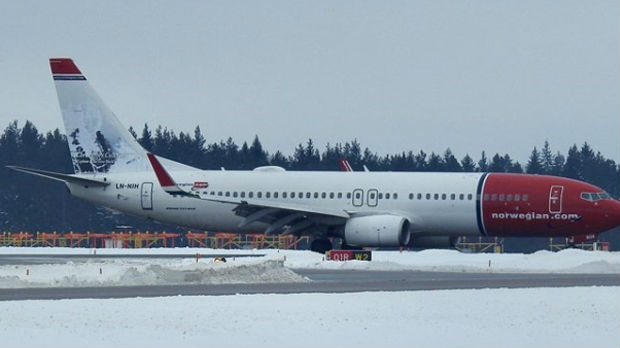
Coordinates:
column 363, row 209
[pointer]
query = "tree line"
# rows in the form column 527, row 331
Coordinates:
column 29, row 203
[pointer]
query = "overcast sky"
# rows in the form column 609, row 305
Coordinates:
column 500, row 76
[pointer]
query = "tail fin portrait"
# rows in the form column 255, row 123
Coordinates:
column 98, row 142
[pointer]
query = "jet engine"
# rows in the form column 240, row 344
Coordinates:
column 377, row 230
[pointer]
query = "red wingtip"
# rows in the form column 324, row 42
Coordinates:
column 63, row 66
column 164, row 179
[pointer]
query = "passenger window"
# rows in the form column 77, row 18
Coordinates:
column 494, row 197
column 453, row 196
column 461, row 196
column 372, row 195
column 387, row 196
column 212, row 193
column 259, row 194
column 411, row 196
column 486, row 197
column 267, row 194
column 301, row 195
column 242, row 194
column 339, row 195
column 284, row 194
column 428, row 196
column 358, row 195
column 502, row 197
column 275, row 195
column 443, row 196
column 526, row 198
column 517, row 197
column 251, row 194
column 227, row 194
column 436, row 196
column 219, row 193
column 348, row 195
column 308, row 194
column 323, row 195
column 395, row 195
column 470, row 197
column 292, row 194
column 509, row 197
column 419, row 196
column 331, row 195
column 316, row 195
column 235, row 194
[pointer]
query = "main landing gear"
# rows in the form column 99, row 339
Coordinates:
column 321, row 245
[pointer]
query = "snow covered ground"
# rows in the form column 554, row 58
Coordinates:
column 275, row 265
column 540, row 317
column 532, row 317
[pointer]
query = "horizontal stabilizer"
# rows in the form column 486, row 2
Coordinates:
column 61, row 177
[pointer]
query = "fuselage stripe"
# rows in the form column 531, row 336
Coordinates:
column 65, row 77
column 479, row 204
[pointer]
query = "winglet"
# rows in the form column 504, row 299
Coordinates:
column 165, row 180
column 344, row 165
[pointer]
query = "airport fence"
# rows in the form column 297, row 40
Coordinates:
column 130, row 239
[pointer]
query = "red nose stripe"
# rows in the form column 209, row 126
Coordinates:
column 63, row 66
column 164, row 179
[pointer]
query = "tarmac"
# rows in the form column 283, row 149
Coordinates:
column 327, row 281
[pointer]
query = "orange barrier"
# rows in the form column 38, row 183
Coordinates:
column 128, row 239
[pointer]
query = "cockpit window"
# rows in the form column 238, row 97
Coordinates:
column 593, row 196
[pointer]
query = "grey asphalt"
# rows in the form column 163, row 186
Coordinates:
column 329, row 281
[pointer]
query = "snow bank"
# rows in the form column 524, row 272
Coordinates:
column 565, row 261
column 542, row 317
column 118, row 272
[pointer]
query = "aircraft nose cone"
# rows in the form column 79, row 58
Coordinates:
column 614, row 213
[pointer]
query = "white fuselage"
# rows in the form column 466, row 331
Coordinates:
column 451, row 209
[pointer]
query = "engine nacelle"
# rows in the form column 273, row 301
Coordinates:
column 377, row 230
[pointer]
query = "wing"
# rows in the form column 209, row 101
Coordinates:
column 287, row 218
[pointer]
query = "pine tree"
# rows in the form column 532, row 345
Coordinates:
column 547, row 159
column 146, row 140
column 435, row 163
column 450, row 163
column 258, row 156
column 534, row 164
column 572, row 167
column 467, row 163
column 483, row 164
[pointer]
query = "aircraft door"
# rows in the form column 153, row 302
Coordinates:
column 146, row 194
column 555, row 199
column 358, row 197
column 372, row 198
